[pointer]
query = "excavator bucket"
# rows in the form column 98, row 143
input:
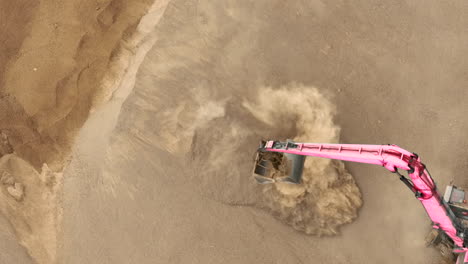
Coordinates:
column 273, row 167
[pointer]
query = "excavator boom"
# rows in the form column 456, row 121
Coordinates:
column 283, row 162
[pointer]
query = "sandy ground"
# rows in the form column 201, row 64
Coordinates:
column 161, row 172
column 58, row 61
column 394, row 71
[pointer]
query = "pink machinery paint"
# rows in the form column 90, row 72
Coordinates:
column 448, row 214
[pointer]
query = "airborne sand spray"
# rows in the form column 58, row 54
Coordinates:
column 328, row 196
column 220, row 137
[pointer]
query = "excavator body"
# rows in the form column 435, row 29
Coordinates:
column 284, row 162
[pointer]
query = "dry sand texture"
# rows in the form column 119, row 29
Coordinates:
column 172, row 178
column 58, row 60
column 164, row 178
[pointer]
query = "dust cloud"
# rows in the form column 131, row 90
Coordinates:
column 223, row 137
column 328, row 196
column 219, row 139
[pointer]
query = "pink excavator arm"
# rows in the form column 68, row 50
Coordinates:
column 392, row 158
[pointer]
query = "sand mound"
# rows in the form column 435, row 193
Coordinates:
column 57, row 74
column 63, row 59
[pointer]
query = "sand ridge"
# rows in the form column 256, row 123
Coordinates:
column 64, row 61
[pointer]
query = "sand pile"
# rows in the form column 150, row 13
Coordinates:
column 53, row 79
column 58, row 61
